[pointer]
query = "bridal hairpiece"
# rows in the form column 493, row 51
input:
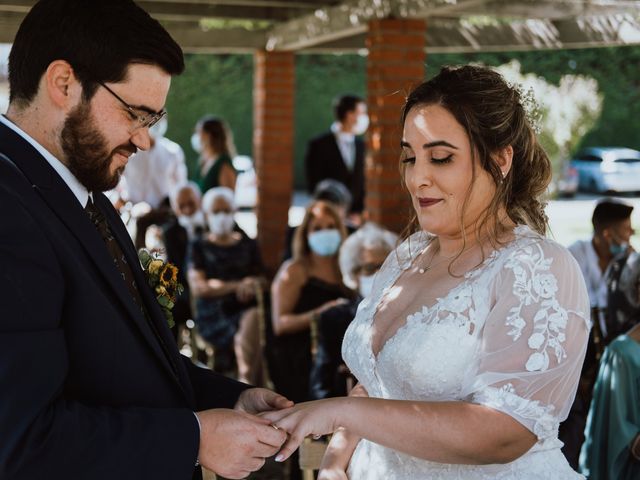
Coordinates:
column 531, row 107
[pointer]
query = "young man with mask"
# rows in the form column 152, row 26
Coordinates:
column 612, row 231
column 340, row 152
column 93, row 386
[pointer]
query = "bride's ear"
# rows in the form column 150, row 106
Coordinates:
column 504, row 159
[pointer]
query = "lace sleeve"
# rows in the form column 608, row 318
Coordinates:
column 534, row 339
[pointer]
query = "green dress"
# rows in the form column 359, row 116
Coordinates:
column 212, row 178
column 614, row 416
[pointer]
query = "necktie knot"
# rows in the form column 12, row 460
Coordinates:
column 97, row 218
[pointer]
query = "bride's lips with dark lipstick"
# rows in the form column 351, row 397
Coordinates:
column 427, row 201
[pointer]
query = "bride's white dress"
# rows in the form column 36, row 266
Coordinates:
column 511, row 336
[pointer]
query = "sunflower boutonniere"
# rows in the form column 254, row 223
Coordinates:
column 162, row 277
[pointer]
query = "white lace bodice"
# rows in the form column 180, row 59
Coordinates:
column 512, row 336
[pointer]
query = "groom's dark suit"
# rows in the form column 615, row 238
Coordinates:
column 87, row 390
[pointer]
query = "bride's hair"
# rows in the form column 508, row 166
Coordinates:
column 493, row 115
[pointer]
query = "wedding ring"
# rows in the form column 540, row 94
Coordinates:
column 275, row 426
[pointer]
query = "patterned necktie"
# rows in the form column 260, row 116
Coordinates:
column 119, row 260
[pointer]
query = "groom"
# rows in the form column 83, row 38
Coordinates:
column 91, row 383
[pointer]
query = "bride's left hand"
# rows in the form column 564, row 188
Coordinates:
column 315, row 418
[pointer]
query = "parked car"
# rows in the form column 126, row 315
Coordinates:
column 608, row 169
column 566, row 184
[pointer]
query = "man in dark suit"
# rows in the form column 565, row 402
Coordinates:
column 92, row 384
column 339, row 153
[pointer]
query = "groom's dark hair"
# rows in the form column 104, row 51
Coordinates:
column 99, row 39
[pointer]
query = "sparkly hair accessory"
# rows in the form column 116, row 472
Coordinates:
column 531, row 108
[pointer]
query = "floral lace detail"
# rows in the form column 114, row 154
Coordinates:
column 506, row 399
column 534, row 285
column 454, row 349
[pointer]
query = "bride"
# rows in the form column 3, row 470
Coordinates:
column 468, row 350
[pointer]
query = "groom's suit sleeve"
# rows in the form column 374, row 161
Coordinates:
column 44, row 434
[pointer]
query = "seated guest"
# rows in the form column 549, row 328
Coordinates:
column 303, row 288
column 338, row 196
column 612, row 437
column 225, row 269
column 612, row 231
column 184, row 227
column 361, row 256
column 623, row 304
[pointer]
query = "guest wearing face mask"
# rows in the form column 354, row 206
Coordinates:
column 187, row 224
column 225, row 269
column 304, row 287
column 596, row 256
column 361, row 256
column 213, row 140
column 340, row 152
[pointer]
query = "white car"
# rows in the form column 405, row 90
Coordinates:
column 608, row 169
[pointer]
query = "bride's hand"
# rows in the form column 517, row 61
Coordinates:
column 310, row 418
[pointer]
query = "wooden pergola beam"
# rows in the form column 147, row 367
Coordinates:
column 443, row 36
column 330, row 24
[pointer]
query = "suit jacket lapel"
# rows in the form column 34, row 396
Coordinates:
column 341, row 164
column 52, row 189
column 156, row 316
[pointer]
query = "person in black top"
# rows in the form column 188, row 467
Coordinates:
column 361, row 256
column 225, row 269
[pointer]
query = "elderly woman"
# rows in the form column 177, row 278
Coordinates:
column 471, row 342
column 225, row 271
column 361, row 256
column 213, row 140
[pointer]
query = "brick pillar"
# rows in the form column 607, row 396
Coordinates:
column 273, row 128
column 395, row 64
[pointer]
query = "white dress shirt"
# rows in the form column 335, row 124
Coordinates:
column 152, row 175
column 79, row 190
column 587, row 258
column 347, row 144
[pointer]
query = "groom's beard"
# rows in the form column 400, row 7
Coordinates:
column 86, row 153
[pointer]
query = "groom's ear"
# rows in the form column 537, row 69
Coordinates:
column 62, row 88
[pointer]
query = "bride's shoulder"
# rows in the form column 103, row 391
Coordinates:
column 530, row 247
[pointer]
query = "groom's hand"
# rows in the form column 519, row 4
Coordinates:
column 259, row 400
column 233, row 443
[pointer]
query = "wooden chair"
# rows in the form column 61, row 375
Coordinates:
column 311, row 451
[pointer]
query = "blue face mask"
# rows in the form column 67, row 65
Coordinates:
column 325, row 242
column 618, row 248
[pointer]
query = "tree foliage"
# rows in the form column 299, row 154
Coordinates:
column 223, row 85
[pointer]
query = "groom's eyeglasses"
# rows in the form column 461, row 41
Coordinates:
column 141, row 120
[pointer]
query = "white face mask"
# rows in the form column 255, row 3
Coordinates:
column 362, row 123
column 190, row 223
column 196, row 143
column 221, row 223
column 325, row 242
column 365, row 284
